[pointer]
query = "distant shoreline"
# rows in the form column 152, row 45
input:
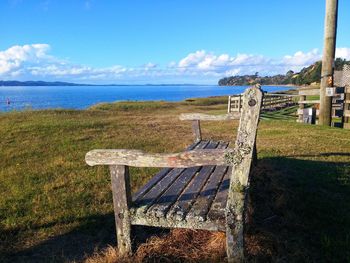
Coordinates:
column 81, row 97
column 16, row 83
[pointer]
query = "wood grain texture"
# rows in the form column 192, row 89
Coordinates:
column 309, row 101
column 229, row 105
column 165, row 200
column 173, row 223
column 141, row 159
column 157, row 177
column 301, row 108
column 121, row 201
column 239, row 181
column 165, row 208
column 191, row 192
column 189, row 196
column 207, row 117
column 142, row 204
column 246, row 135
column 309, row 92
column 196, row 129
column 202, row 204
column 218, row 206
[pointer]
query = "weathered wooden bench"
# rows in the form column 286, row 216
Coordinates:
column 203, row 187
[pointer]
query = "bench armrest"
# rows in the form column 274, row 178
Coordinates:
column 138, row 158
column 207, row 117
column 197, row 117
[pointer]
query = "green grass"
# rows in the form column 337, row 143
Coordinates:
column 283, row 114
column 132, row 105
column 53, row 207
column 206, row 101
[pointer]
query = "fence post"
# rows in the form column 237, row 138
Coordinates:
column 301, row 107
column 239, row 103
column 229, row 105
column 346, row 112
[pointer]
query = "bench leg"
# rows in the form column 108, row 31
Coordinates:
column 234, row 229
column 121, row 202
column 196, row 128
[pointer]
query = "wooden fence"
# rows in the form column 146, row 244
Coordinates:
column 271, row 102
column 309, row 100
column 346, row 83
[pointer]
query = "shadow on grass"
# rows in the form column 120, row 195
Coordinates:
column 299, row 212
column 323, row 154
column 282, row 114
column 94, row 234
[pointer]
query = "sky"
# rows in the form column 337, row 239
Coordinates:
column 161, row 41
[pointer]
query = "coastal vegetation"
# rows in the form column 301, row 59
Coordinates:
column 55, row 208
column 307, row 76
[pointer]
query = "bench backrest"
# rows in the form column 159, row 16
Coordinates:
column 245, row 151
column 240, row 177
column 246, row 134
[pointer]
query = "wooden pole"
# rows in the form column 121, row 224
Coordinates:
column 330, row 33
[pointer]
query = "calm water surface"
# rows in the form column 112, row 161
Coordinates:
column 81, row 97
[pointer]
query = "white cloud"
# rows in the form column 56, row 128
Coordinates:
column 302, row 59
column 34, row 62
column 224, row 64
column 15, row 57
column 150, row 65
column 343, row 52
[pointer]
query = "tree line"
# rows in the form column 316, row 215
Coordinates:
column 307, row 76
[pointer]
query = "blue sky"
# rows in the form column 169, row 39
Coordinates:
column 161, row 41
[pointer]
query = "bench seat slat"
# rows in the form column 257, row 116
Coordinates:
column 217, row 209
column 188, row 197
column 202, row 204
column 165, row 201
column 143, row 203
column 163, row 204
column 155, row 179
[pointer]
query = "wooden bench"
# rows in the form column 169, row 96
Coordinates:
column 203, row 187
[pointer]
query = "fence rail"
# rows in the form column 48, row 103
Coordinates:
column 271, row 102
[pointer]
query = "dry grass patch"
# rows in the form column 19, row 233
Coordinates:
column 180, row 245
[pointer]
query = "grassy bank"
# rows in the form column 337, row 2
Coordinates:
column 54, row 207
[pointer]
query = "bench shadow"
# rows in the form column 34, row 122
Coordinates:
column 299, row 211
column 329, row 154
column 94, row 234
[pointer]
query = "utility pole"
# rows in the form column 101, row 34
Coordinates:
column 330, row 34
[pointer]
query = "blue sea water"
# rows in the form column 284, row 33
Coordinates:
column 81, row 97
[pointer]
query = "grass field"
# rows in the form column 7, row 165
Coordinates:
column 54, row 208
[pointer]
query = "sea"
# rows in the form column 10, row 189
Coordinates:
column 19, row 98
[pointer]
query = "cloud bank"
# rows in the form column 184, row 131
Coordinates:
column 34, row 62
